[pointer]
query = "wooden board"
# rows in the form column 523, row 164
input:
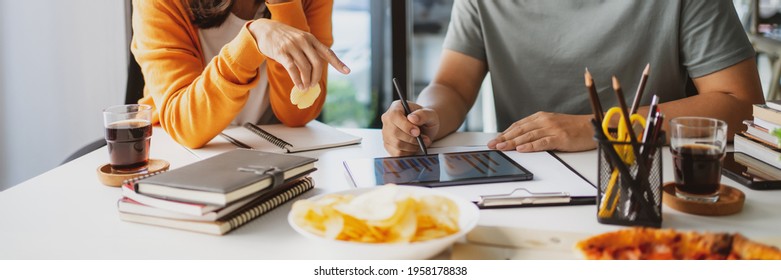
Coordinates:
column 109, row 178
column 730, row 202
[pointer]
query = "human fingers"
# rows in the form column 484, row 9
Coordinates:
column 398, row 117
column 552, row 131
column 425, row 119
column 396, row 151
column 528, row 137
column 304, row 67
column 396, row 131
column 519, row 134
column 401, row 148
column 392, row 150
column 330, row 56
column 316, row 62
column 399, row 143
column 499, row 139
column 511, row 132
column 292, row 70
column 541, row 144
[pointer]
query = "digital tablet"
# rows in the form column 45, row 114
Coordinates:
column 751, row 172
column 437, row 170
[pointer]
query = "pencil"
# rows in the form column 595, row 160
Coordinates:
column 643, row 171
column 640, row 88
column 596, row 106
column 627, row 117
column 624, row 111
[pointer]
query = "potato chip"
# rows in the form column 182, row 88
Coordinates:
column 402, row 208
column 304, row 99
column 441, row 210
column 383, row 215
column 334, row 226
column 404, row 228
column 375, row 205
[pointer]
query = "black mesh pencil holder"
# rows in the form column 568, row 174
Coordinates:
column 630, row 188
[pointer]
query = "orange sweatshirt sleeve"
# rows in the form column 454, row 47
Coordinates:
column 313, row 16
column 194, row 102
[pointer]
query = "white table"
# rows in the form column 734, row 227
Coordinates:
column 66, row 213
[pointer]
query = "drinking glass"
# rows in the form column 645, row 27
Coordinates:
column 128, row 135
column 698, row 147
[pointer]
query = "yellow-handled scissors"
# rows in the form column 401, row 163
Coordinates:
column 624, row 151
column 622, row 133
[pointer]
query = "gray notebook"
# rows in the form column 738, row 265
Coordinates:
column 227, row 177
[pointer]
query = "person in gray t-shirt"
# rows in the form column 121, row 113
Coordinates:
column 537, row 50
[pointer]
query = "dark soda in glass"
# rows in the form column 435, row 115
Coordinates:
column 697, row 169
column 128, row 145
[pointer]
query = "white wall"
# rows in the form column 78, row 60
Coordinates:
column 61, row 62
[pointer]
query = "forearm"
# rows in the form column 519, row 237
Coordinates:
column 194, row 102
column 450, row 106
column 718, row 105
column 193, row 118
column 280, row 82
column 315, row 18
column 193, row 109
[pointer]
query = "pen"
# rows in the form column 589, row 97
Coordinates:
column 407, row 112
column 235, row 142
column 650, row 125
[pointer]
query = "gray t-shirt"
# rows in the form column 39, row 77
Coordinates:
column 537, row 50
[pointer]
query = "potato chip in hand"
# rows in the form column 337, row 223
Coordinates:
column 385, row 215
column 304, row 99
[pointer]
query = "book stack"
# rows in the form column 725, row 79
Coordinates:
column 218, row 194
column 759, row 141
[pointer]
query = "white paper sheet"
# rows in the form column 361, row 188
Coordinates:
column 465, row 139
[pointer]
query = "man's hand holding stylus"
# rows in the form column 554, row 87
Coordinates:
column 399, row 132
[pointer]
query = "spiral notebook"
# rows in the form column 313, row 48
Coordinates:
column 280, row 138
column 249, row 212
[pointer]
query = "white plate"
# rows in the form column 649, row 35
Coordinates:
column 467, row 220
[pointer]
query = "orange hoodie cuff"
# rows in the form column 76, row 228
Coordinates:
column 243, row 51
column 290, row 13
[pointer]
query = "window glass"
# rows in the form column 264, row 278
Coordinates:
column 349, row 102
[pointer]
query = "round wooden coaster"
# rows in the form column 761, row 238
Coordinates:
column 109, row 178
column 730, row 202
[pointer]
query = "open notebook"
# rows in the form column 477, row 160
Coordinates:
column 280, row 138
column 315, row 135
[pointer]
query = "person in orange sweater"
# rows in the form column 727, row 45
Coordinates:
column 211, row 63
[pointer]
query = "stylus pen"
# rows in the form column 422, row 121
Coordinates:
column 407, row 112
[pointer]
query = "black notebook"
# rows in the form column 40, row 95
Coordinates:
column 249, row 212
column 227, row 177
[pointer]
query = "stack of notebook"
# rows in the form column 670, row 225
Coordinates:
column 759, row 139
column 218, row 194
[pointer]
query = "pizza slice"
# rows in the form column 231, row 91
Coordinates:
column 745, row 249
column 667, row 244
